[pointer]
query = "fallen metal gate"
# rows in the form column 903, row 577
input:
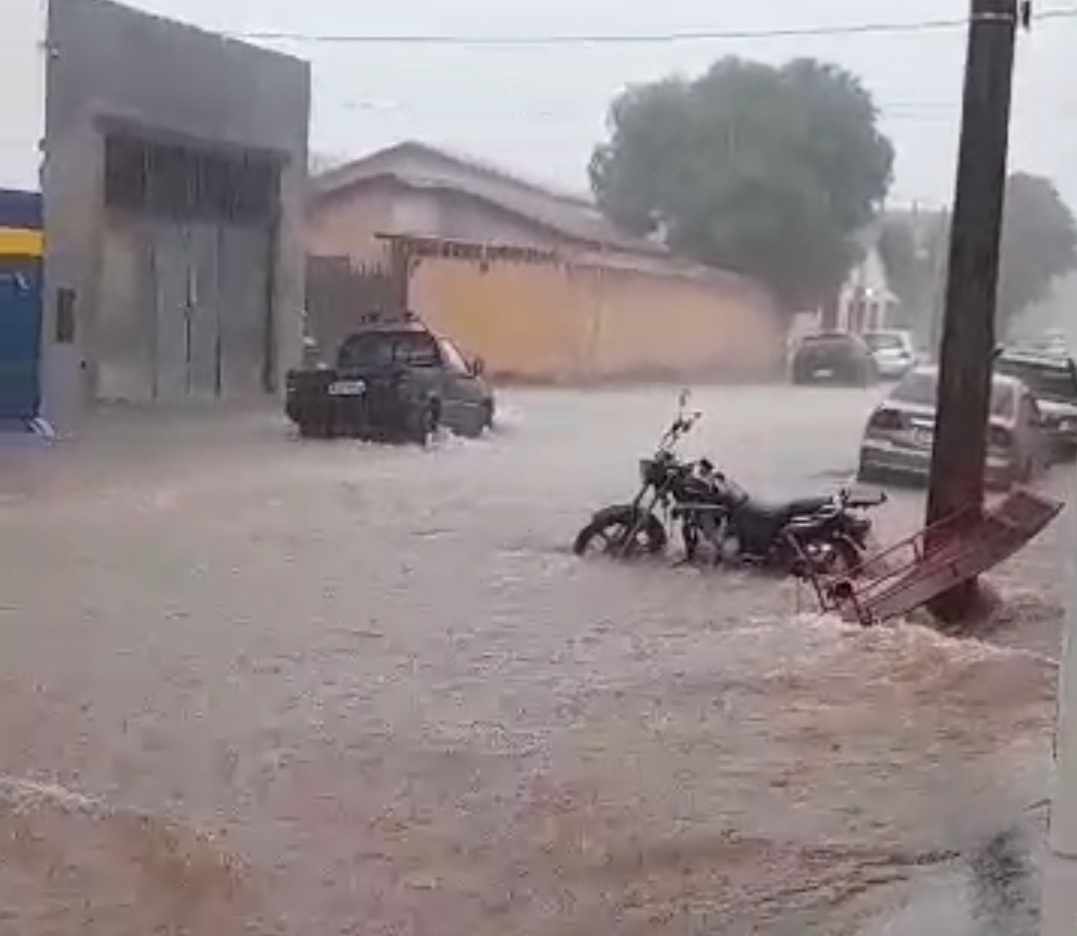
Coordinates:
column 931, row 562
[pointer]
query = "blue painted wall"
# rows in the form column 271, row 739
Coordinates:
column 20, row 311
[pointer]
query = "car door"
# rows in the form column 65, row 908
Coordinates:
column 462, row 404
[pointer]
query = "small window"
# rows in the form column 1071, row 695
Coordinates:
column 65, row 316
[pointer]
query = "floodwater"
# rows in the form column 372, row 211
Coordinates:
column 255, row 685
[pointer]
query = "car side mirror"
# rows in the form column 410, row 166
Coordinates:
column 478, row 367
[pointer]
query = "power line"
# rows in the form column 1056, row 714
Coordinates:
column 793, row 32
column 904, row 111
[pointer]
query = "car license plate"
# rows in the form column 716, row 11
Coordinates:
column 923, row 437
column 823, row 372
column 347, row 388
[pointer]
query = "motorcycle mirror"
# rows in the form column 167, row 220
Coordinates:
column 684, row 398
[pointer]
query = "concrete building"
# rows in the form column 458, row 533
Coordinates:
column 537, row 282
column 175, row 162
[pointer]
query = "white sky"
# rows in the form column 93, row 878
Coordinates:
column 539, row 110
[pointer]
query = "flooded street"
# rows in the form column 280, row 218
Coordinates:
column 253, row 685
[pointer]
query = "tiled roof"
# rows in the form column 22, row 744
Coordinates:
column 417, row 165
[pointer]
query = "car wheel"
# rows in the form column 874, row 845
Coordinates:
column 425, row 422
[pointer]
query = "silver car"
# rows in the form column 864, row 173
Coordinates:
column 899, row 436
column 894, row 352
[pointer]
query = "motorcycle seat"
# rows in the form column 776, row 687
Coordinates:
column 784, row 511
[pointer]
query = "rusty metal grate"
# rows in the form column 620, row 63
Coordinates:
column 918, row 569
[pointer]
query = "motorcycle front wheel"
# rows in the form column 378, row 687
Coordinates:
column 622, row 532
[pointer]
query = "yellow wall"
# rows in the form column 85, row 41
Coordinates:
column 564, row 323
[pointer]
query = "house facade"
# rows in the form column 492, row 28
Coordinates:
column 537, row 282
column 866, row 302
column 173, row 178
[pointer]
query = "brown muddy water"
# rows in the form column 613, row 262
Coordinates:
column 252, row 685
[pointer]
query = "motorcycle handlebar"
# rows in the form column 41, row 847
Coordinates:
column 681, row 425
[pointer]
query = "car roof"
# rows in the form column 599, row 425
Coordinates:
column 1045, row 359
column 932, row 370
column 377, row 322
column 824, row 335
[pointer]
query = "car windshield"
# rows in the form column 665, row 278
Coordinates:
column 1045, row 381
column 883, row 341
column 380, row 349
column 921, row 389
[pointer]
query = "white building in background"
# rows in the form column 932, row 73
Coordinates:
column 866, row 302
column 22, row 92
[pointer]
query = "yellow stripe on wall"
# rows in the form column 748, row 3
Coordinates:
column 17, row 242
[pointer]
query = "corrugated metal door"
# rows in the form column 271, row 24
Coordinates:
column 210, row 288
column 122, row 349
column 20, row 340
column 170, row 278
column 245, row 272
column 203, row 312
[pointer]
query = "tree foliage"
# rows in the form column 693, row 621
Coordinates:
column 1039, row 244
column 771, row 172
column 915, row 251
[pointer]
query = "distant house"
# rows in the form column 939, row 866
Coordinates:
column 867, row 302
column 538, row 282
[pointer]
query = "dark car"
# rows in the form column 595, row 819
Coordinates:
column 1052, row 377
column 836, row 358
column 393, row 381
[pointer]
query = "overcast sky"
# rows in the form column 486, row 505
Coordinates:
column 539, row 110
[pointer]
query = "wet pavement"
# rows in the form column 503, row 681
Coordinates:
column 250, row 684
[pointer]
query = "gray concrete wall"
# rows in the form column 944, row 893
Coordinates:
column 108, row 66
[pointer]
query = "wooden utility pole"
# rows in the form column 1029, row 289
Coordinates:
column 968, row 333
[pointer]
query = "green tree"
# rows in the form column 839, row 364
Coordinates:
column 1039, row 244
column 914, row 247
column 771, row 172
column 899, row 253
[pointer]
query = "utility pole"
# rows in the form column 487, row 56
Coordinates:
column 968, row 334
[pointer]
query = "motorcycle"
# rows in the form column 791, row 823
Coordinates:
column 808, row 536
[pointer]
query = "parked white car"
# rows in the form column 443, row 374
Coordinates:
column 894, row 352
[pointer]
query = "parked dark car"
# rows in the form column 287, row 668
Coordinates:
column 1052, row 377
column 394, row 380
column 835, row 358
